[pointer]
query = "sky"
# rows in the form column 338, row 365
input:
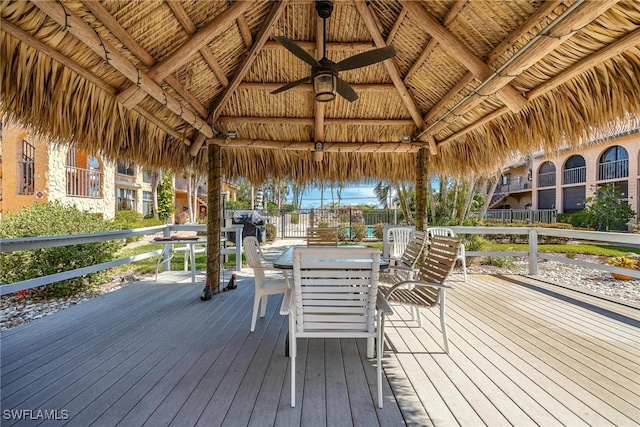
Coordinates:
column 353, row 195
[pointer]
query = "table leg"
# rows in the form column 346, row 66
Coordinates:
column 192, row 255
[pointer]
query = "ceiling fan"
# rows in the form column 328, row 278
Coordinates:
column 324, row 72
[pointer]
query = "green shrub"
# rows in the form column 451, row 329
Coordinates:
column 499, row 261
column 378, row 230
column 166, row 208
column 342, row 232
column 358, row 231
column 128, row 219
column 272, row 232
column 580, row 219
column 295, row 218
column 272, row 209
column 473, row 242
column 45, row 220
column 323, row 224
column 233, row 205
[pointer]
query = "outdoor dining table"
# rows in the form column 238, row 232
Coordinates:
column 190, row 242
column 285, row 260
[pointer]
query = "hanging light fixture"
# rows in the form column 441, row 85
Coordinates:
column 325, row 85
column 318, row 151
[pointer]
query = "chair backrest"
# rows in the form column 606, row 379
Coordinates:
column 322, row 236
column 440, row 231
column 440, row 259
column 399, row 238
column 252, row 254
column 335, row 290
column 415, row 246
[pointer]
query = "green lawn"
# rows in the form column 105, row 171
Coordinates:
column 585, row 248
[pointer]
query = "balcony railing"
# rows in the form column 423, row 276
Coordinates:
column 613, row 170
column 84, row 182
column 574, row 175
column 517, row 183
column 547, row 179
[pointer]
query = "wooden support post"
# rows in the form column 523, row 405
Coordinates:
column 214, row 213
column 421, row 208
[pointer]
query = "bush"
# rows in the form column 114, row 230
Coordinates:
column 272, row 209
column 43, row 220
column 358, row 231
column 128, row 219
column 378, row 230
column 295, row 218
column 499, row 261
column 272, row 232
column 234, row 205
column 343, row 236
column 580, row 219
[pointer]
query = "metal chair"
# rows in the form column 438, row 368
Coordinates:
column 428, row 288
column 335, row 295
column 445, row 231
column 264, row 286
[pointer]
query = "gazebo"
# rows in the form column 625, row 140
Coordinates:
column 190, row 83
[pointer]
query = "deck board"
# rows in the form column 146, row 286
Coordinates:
column 523, row 352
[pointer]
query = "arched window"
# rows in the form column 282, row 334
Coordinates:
column 547, row 174
column 575, row 170
column 613, row 163
column 84, row 177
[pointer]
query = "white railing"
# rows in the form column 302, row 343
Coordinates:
column 30, row 243
column 525, row 215
column 83, row 182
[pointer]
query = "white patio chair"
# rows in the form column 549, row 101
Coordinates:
column 428, row 288
column 265, row 260
column 399, row 239
column 445, row 231
column 335, row 295
column 264, row 286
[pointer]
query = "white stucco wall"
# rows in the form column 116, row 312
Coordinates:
column 105, row 205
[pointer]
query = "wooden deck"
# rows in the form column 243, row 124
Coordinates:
column 522, row 353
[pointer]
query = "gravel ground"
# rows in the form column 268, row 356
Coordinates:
column 16, row 310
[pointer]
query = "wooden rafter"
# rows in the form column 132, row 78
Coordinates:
column 508, row 94
column 628, row 42
column 396, row 26
column 263, row 35
column 310, row 121
column 451, row 16
column 84, row 73
column 186, row 22
column 392, row 68
column 132, row 95
column 343, row 147
column 85, row 34
column 542, row 46
column 110, row 23
column 245, row 31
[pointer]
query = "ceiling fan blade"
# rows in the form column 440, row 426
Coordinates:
column 297, row 50
column 346, row 91
column 291, row 85
column 366, row 58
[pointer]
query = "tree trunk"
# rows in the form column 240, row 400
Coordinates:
column 214, row 182
column 471, row 190
column 489, row 194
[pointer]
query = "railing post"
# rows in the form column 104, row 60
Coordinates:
column 533, row 252
column 166, row 264
column 239, row 247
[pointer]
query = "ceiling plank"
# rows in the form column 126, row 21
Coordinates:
column 206, row 53
column 392, row 68
column 263, row 35
column 507, row 43
column 342, row 147
column 87, row 35
column 629, row 41
column 309, row 121
column 509, row 95
column 540, row 47
column 31, row 41
column 121, row 34
column 245, row 31
column 132, row 95
column 451, row 16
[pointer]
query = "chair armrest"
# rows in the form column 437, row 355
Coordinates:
column 285, row 308
column 403, row 267
column 382, row 304
column 409, row 283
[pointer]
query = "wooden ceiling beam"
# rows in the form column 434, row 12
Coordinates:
column 87, row 35
column 110, row 23
column 261, row 39
column 541, row 46
column 458, row 51
column 432, row 44
column 34, row 43
column 245, row 31
column 392, row 68
column 629, row 41
column 396, row 26
column 340, row 147
column 188, row 25
column 132, row 95
column 358, row 87
column 309, row 121
column 331, row 46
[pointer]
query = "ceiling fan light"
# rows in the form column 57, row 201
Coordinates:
column 325, row 86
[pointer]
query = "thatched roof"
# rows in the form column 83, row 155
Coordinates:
column 473, row 81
